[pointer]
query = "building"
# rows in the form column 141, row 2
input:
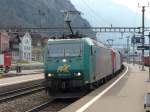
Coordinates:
column 4, row 42
column 36, row 47
column 14, row 47
column 26, row 47
column 39, row 43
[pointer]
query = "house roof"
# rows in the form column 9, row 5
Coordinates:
column 14, row 38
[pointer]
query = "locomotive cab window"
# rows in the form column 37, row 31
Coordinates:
column 64, row 50
column 91, row 50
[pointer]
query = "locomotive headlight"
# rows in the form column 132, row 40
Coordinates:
column 78, row 74
column 50, row 75
column 64, row 60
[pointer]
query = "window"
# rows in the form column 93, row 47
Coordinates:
column 64, row 50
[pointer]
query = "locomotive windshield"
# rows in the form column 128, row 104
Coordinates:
column 64, row 50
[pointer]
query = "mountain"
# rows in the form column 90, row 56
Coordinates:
column 36, row 13
column 107, row 13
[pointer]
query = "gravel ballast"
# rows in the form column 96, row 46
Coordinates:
column 24, row 103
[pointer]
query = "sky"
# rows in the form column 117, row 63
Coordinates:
column 132, row 4
column 135, row 5
column 93, row 8
column 116, row 12
column 121, row 13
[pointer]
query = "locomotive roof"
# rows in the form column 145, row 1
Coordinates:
column 87, row 39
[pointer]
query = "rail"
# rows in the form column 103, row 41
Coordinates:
column 6, row 96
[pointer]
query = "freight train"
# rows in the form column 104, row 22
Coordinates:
column 71, row 64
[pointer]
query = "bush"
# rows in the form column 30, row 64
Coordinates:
column 23, row 62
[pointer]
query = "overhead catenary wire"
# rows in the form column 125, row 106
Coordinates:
column 97, row 15
column 135, row 18
column 89, row 15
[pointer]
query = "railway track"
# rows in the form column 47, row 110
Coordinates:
column 40, row 107
column 52, row 106
column 20, row 74
column 6, row 96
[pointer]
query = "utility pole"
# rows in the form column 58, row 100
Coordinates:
column 149, row 55
column 143, row 28
column 128, row 49
column 133, row 54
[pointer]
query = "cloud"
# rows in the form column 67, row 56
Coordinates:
column 133, row 5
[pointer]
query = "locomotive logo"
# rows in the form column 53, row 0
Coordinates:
column 64, row 68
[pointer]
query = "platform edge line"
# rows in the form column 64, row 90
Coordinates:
column 88, row 104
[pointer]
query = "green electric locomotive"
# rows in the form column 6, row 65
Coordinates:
column 70, row 64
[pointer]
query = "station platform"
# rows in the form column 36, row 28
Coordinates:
column 20, row 79
column 127, row 95
column 23, row 72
